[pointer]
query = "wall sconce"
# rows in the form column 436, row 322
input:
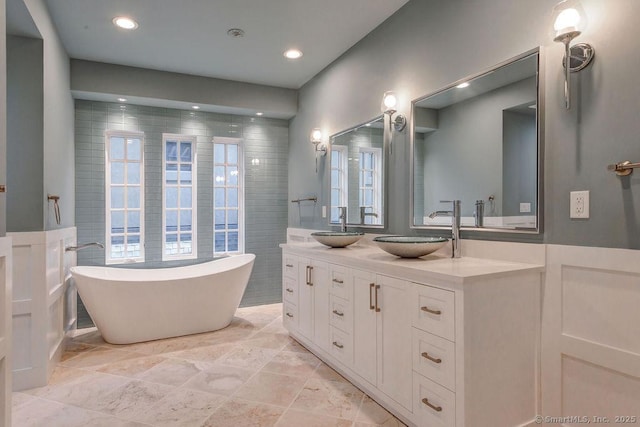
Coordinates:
column 316, row 139
column 569, row 22
column 388, row 106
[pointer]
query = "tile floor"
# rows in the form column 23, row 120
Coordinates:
column 249, row 374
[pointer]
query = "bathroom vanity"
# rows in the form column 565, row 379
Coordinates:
column 437, row 341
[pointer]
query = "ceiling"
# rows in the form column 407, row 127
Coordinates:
column 190, row 36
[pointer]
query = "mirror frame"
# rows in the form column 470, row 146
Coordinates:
column 385, row 173
column 540, row 151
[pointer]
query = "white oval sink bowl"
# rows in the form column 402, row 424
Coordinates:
column 337, row 239
column 410, row 246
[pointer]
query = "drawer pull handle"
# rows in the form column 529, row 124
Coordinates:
column 290, row 265
column 309, row 281
column 428, row 310
column 338, row 281
column 377, row 306
column 290, row 290
column 371, row 306
column 289, row 315
column 338, row 345
column 337, row 313
column 430, row 405
column 433, row 359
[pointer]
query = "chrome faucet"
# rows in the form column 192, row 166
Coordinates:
column 479, row 213
column 343, row 218
column 364, row 213
column 86, row 245
column 455, row 225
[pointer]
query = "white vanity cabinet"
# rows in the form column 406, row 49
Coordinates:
column 438, row 342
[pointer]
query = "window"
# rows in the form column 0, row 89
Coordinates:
column 180, row 197
column 124, row 198
column 339, row 167
column 228, row 196
column 370, row 184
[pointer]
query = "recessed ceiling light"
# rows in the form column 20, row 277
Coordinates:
column 293, row 53
column 259, row 113
column 124, row 22
column 463, row 85
column 122, row 99
column 195, row 107
column 235, row 32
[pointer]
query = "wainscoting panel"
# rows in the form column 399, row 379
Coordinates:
column 591, row 333
column 5, row 330
column 41, row 312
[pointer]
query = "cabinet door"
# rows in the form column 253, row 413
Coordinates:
column 320, row 285
column 364, row 325
column 394, row 339
column 305, row 298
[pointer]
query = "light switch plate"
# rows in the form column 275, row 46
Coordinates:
column 324, row 212
column 579, row 204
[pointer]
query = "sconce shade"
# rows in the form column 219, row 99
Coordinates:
column 389, row 101
column 569, row 20
column 316, row 136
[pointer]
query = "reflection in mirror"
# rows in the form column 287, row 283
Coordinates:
column 478, row 142
column 357, row 169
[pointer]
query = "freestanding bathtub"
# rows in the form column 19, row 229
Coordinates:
column 134, row 305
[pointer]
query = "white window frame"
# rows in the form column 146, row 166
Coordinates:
column 194, row 196
column 377, row 183
column 343, row 171
column 241, row 191
column 107, row 197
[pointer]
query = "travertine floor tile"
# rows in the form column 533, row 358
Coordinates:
column 329, row 397
column 98, row 356
column 207, row 353
column 131, row 367
column 237, row 413
column 174, row 372
column 295, row 418
column 182, row 408
column 219, row 379
column 248, row 357
column 86, row 391
column 129, row 400
column 324, row 372
column 301, row 365
column 273, row 389
column 372, row 414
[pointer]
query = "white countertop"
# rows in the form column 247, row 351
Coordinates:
column 435, row 266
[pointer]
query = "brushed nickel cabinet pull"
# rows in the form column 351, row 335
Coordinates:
column 338, row 345
column 3, row 188
column 371, row 286
column 309, row 282
column 338, row 281
column 290, row 265
column 430, row 405
column 290, row 290
column 377, row 307
column 289, row 315
column 433, row 359
column 428, row 310
column 337, row 313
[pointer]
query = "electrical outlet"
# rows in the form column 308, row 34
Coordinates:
column 525, row 207
column 579, row 204
column 324, row 212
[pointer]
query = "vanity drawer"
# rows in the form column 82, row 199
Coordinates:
column 433, row 311
column 290, row 266
column 341, row 315
column 340, row 283
column 290, row 316
column 290, row 290
column 341, row 346
column 434, row 357
column 433, row 405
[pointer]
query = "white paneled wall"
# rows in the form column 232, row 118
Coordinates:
column 43, row 303
column 591, row 333
column 5, row 331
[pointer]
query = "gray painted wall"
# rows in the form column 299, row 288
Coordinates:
column 3, row 117
column 57, row 146
column 265, row 184
column 24, row 134
column 430, row 43
column 91, row 79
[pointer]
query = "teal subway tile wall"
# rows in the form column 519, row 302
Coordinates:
column 265, row 183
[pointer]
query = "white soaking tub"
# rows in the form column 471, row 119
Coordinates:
column 133, row 305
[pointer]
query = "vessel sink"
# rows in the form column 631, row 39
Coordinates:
column 337, row 239
column 410, row 246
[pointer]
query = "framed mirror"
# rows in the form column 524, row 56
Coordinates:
column 357, row 175
column 478, row 140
